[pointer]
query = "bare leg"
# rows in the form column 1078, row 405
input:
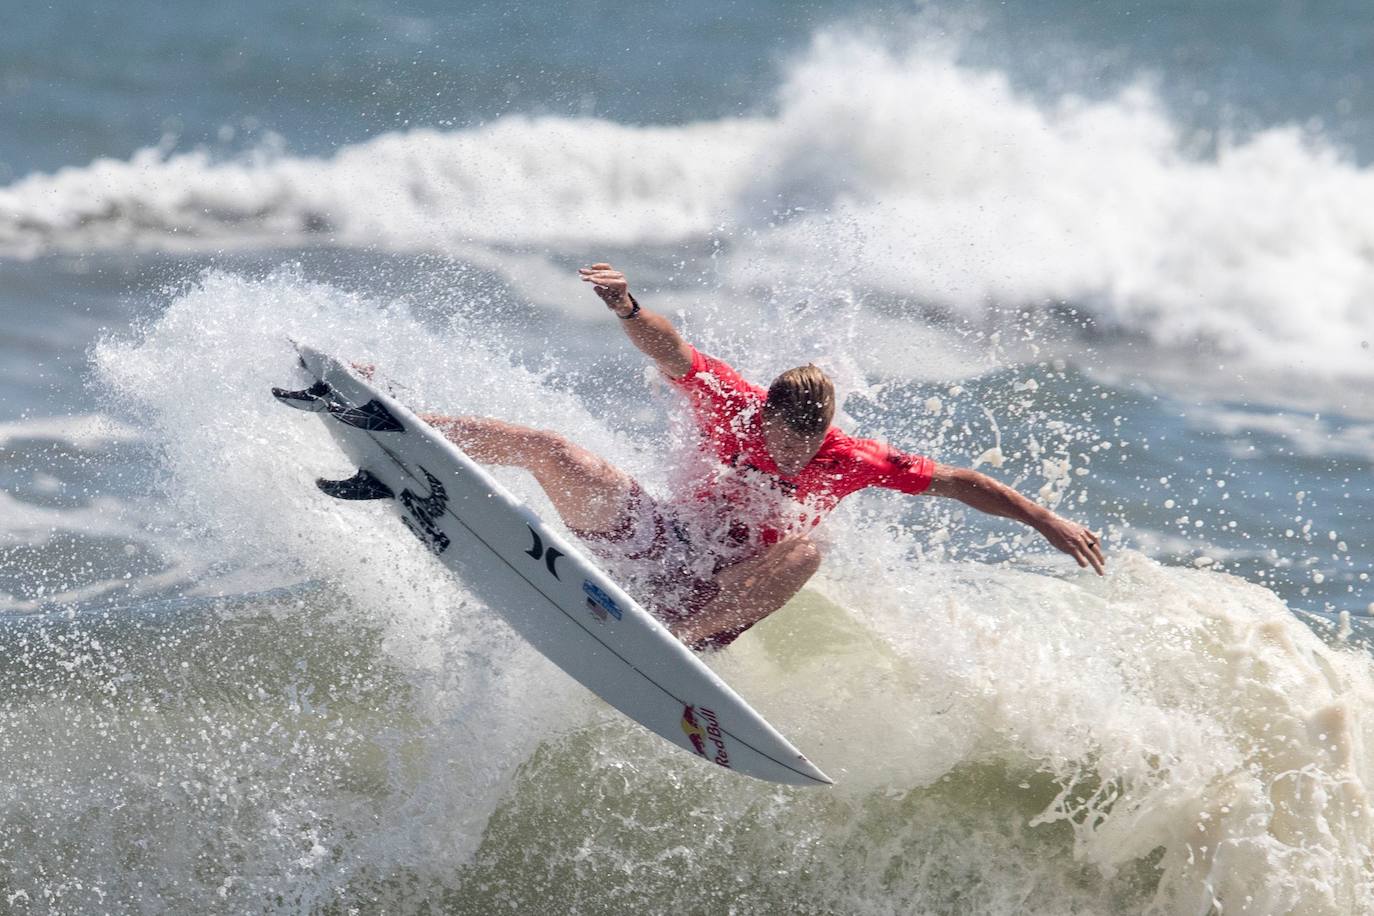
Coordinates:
column 753, row 589
column 587, row 490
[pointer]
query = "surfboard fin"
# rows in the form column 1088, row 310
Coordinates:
column 371, row 416
column 362, row 485
column 311, row 399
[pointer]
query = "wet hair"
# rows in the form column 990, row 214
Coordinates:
column 804, row 398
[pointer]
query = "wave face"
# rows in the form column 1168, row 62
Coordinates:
column 1007, row 738
column 222, row 692
column 915, row 175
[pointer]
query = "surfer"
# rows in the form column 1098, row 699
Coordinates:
column 737, row 548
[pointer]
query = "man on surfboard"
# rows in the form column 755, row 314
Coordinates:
column 737, row 547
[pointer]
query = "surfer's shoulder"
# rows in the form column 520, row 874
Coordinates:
column 873, row 462
column 714, row 376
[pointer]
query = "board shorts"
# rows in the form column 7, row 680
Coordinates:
column 670, row 571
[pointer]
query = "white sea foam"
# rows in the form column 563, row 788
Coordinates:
column 1186, row 719
column 946, row 184
column 886, row 167
column 517, row 180
column 1005, row 741
column 240, row 481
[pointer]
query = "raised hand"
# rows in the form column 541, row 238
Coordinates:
column 611, row 285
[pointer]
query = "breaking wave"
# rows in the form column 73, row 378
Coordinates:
column 1007, row 739
column 895, row 166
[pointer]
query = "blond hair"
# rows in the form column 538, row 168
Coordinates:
column 805, row 399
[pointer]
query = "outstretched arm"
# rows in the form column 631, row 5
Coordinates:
column 995, row 498
column 653, row 334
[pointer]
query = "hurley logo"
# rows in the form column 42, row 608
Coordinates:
column 550, row 555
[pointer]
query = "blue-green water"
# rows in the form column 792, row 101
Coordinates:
column 1118, row 255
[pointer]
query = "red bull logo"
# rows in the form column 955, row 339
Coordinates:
column 695, row 733
column 703, row 730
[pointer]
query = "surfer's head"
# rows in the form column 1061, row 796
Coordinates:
column 803, row 398
column 800, row 406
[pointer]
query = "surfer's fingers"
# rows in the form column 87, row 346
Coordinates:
column 1087, row 556
column 1093, row 551
column 598, row 270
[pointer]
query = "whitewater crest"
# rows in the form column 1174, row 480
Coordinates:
column 1005, row 741
column 971, row 198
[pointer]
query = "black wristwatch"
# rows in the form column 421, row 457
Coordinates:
column 634, row 309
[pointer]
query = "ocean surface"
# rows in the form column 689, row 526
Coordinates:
column 1119, row 255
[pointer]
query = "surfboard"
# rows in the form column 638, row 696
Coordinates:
column 556, row 598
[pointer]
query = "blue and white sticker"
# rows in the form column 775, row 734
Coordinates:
column 599, row 602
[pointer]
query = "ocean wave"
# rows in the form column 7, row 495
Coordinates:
column 1004, row 740
column 886, row 167
column 1010, row 743
column 946, row 185
column 80, row 431
column 517, row 180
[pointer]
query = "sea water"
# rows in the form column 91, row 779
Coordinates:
column 1118, row 257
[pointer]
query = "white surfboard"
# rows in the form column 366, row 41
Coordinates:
column 553, row 596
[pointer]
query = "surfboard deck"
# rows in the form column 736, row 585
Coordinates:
column 543, row 586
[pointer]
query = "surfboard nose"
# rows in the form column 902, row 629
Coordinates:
column 812, row 772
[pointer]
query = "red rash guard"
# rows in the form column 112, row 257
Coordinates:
column 727, row 411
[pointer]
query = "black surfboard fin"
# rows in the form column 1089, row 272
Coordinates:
column 362, row 485
column 371, row 416
column 311, row 399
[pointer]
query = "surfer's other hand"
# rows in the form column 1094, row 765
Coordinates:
column 611, row 285
column 1077, row 541
column 364, row 369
